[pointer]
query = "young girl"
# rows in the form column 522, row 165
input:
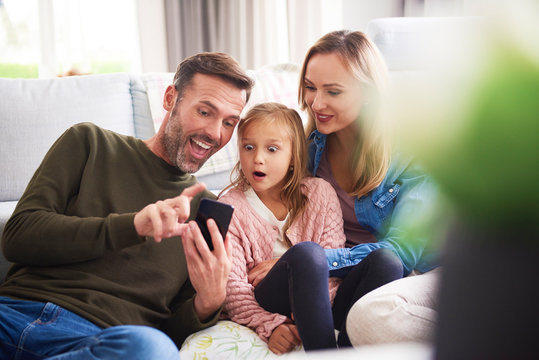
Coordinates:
column 280, row 214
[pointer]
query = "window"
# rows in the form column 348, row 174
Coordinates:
column 19, row 40
column 45, row 38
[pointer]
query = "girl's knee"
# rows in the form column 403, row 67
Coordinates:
column 388, row 261
column 307, row 256
column 307, row 249
column 307, row 252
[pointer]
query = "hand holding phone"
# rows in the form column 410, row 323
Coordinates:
column 220, row 212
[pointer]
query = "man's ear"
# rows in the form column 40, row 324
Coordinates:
column 170, row 98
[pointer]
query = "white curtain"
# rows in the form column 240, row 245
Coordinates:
column 262, row 32
column 255, row 32
column 228, row 26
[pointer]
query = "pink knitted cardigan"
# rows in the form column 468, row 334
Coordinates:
column 252, row 240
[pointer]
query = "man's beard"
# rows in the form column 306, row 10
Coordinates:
column 175, row 143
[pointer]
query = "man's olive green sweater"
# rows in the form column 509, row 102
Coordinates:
column 73, row 241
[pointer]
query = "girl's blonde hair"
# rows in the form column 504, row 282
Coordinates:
column 371, row 155
column 278, row 115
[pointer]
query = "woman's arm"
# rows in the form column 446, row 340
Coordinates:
column 405, row 233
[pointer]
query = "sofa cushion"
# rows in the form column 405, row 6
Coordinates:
column 6, row 209
column 33, row 113
column 418, row 43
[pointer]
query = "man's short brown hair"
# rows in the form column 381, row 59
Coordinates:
column 212, row 63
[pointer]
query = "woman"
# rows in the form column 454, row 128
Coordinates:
column 381, row 192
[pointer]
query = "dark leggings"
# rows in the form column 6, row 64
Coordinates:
column 298, row 284
column 379, row 268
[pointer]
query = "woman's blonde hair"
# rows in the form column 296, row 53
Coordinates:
column 278, row 115
column 371, row 155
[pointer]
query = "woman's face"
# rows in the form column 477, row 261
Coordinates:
column 332, row 93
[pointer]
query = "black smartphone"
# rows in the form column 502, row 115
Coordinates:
column 218, row 211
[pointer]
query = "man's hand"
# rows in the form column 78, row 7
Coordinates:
column 208, row 270
column 259, row 272
column 166, row 218
column 284, row 339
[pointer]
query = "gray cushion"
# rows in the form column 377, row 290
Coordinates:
column 6, row 209
column 33, row 113
column 416, row 43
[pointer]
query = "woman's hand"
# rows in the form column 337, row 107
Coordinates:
column 284, row 339
column 260, row 271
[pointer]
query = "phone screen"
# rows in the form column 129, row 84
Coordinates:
column 220, row 212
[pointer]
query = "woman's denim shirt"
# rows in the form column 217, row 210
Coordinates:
column 403, row 197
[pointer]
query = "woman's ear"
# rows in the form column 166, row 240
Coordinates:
column 169, row 99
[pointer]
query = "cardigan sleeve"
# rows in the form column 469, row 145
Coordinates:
column 240, row 303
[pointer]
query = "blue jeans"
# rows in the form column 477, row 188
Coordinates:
column 32, row 330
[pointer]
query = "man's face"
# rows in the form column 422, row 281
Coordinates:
column 202, row 121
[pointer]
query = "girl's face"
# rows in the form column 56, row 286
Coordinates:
column 332, row 93
column 265, row 157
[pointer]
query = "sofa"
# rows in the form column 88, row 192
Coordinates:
column 33, row 113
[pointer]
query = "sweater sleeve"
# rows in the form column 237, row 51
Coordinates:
column 240, row 303
column 39, row 233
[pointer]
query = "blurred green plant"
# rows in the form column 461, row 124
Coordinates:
column 474, row 123
column 27, row 71
column 491, row 169
column 31, row 71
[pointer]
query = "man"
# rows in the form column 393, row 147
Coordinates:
column 99, row 273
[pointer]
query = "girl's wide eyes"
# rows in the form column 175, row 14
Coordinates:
column 250, row 147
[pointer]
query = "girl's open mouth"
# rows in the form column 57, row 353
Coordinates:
column 259, row 175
